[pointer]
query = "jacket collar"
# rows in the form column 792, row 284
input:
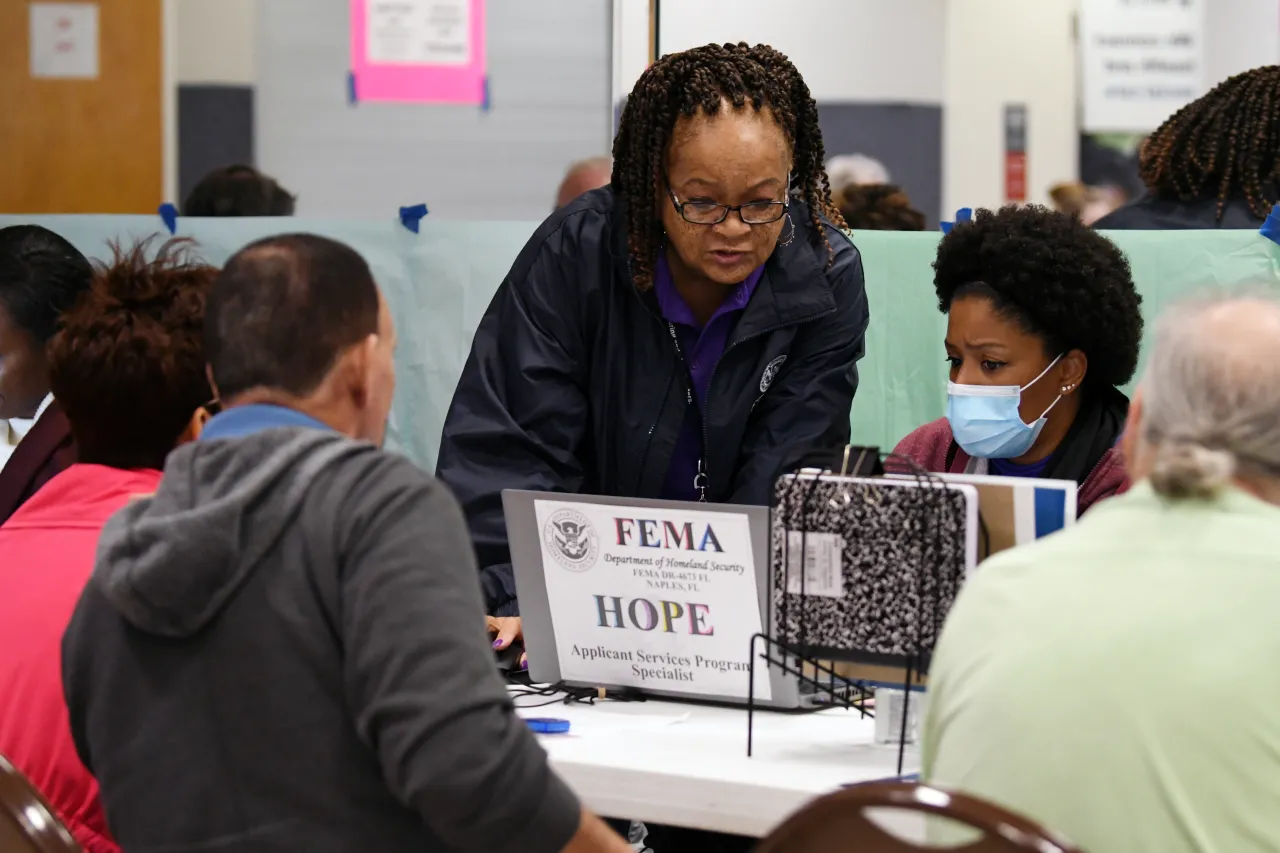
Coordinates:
column 32, row 458
column 795, row 288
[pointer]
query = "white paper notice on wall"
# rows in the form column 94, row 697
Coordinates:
column 823, row 564
column 64, row 40
column 1142, row 61
column 419, row 32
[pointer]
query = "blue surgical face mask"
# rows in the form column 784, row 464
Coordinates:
column 985, row 420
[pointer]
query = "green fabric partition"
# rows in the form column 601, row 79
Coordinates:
column 439, row 282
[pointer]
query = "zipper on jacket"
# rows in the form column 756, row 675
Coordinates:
column 648, row 440
column 700, row 477
column 1096, row 466
column 702, row 481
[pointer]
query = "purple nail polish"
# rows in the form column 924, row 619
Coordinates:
column 524, row 664
column 497, row 644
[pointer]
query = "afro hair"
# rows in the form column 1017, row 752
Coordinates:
column 1057, row 278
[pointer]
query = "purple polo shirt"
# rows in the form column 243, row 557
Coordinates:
column 702, row 347
column 1009, row 468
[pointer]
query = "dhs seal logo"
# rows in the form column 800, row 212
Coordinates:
column 771, row 372
column 571, row 540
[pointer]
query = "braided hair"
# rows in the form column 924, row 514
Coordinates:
column 680, row 84
column 1226, row 143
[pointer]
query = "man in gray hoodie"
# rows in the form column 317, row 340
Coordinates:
column 283, row 649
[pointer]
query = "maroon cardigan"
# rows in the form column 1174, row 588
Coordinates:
column 929, row 444
column 46, row 451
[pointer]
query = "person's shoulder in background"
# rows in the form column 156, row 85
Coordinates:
column 927, row 446
column 1154, row 213
column 1146, row 213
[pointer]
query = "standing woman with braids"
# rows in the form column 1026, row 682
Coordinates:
column 1215, row 163
column 678, row 334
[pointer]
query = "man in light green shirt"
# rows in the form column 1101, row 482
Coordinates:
column 1120, row 682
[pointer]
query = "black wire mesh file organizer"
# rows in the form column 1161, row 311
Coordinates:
column 903, row 559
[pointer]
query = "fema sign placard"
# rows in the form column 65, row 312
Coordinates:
column 1142, row 61
column 659, row 599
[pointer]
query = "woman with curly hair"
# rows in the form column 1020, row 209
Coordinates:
column 128, row 368
column 1215, row 163
column 1043, row 324
column 678, row 334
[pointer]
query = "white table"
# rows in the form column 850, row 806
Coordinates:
column 686, row 765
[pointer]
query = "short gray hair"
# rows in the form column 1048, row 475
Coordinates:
column 857, row 169
column 1211, row 393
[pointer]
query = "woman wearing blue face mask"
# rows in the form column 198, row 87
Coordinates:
column 1043, row 324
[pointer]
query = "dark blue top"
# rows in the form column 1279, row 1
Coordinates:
column 1008, row 468
column 701, row 347
column 247, row 420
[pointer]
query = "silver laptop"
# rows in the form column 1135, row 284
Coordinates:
column 531, row 587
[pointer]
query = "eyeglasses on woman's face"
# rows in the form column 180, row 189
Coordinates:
column 701, row 212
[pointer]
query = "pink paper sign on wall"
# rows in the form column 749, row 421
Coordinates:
column 418, row 51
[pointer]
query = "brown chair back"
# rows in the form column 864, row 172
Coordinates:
column 838, row 823
column 28, row 823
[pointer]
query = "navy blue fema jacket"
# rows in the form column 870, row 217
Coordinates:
column 575, row 384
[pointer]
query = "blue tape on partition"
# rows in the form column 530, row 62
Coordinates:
column 411, row 217
column 1271, row 227
column 964, row 214
column 484, row 94
column 169, row 214
column 351, row 88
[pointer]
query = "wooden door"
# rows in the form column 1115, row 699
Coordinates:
column 84, row 145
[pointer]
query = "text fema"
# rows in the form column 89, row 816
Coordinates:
column 651, row 533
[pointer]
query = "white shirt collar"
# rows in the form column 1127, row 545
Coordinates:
column 14, row 430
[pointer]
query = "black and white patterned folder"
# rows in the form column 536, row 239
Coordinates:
column 884, row 560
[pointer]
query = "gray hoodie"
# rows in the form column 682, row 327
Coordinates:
column 283, row 650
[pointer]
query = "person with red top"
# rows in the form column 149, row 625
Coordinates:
column 128, row 369
column 1043, row 325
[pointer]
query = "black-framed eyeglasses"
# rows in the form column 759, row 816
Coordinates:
column 710, row 213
